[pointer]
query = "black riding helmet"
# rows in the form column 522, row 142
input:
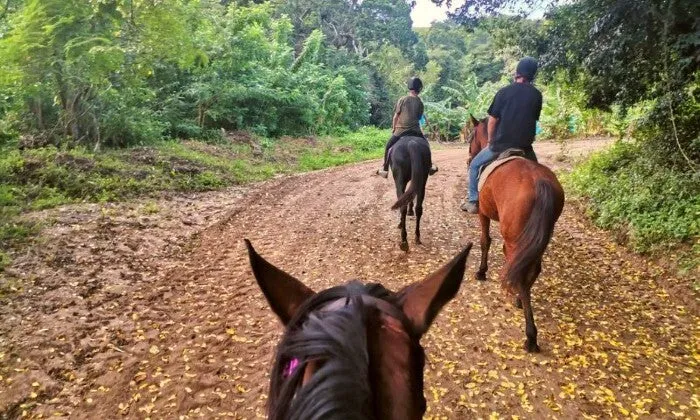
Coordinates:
column 416, row 84
column 527, row 68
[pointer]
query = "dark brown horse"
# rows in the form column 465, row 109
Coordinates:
column 410, row 162
column 352, row 351
column 526, row 199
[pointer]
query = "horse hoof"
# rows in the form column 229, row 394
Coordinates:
column 480, row 276
column 418, row 242
column 531, row 347
column 518, row 303
column 410, row 212
column 404, row 246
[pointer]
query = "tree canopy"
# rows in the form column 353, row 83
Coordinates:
column 120, row 72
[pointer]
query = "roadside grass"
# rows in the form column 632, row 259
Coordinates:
column 652, row 209
column 37, row 179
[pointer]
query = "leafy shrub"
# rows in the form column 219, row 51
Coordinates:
column 4, row 260
column 186, row 72
column 653, row 206
column 366, row 139
column 444, row 121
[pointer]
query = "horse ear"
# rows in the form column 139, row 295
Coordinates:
column 474, row 120
column 283, row 292
column 421, row 301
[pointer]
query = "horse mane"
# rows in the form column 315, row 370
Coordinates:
column 483, row 125
column 340, row 387
column 484, row 121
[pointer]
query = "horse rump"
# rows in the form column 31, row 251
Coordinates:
column 534, row 238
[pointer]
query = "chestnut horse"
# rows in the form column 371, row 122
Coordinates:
column 352, row 351
column 526, row 198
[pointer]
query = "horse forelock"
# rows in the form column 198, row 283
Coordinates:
column 336, row 342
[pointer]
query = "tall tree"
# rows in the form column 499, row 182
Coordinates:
column 358, row 26
column 628, row 51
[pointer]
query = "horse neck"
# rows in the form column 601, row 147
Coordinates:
column 479, row 142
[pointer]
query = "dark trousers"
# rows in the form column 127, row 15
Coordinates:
column 392, row 141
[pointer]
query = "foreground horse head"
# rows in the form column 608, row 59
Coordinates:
column 352, row 351
column 527, row 199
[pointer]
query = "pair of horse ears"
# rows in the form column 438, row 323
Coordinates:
column 420, row 301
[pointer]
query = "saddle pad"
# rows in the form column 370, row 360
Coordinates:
column 491, row 167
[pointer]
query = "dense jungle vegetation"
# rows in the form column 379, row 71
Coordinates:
column 106, row 99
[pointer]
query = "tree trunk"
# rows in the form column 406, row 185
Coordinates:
column 38, row 112
column 63, row 97
column 96, row 127
column 73, row 115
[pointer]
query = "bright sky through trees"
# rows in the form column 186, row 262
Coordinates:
column 426, row 12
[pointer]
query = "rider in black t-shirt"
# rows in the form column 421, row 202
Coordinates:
column 513, row 119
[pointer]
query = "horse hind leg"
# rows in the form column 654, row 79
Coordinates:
column 485, row 246
column 404, row 234
column 530, row 327
column 419, row 214
column 400, row 189
column 535, row 271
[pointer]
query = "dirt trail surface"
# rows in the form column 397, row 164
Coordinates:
column 149, row 309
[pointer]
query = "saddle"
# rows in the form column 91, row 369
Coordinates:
column 409, row 133
column 505, row 156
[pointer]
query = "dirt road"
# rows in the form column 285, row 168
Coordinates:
column 149, row 309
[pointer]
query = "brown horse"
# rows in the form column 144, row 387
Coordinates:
column 527, row 199
column 352, row 351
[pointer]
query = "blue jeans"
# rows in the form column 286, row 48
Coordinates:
column 484, row 157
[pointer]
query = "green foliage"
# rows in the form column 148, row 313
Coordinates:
column 445, row 121
column 464, row 72
column 366, row 143
column 357, row 26
column 105, row 73
column 14, row 232
column 151, row 208
column 4, row 260
column 562, row 110
column 630, row 53
column 47, row 177
column 395, row 69
column 654, row 207
column 366, row 140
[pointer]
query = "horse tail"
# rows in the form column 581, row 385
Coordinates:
column 406, row 198
column 534, row 238
column 418, row 178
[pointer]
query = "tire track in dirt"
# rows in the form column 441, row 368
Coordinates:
column 197, row 340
